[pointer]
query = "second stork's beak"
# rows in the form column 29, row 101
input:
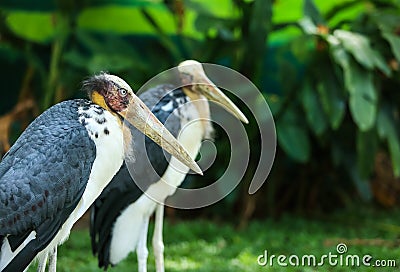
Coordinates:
column 139, row 115
column 192, row 74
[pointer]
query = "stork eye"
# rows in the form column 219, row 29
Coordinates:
column 122, row 92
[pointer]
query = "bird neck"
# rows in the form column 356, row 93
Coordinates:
column 202, row 106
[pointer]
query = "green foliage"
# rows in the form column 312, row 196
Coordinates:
column 329, row 69
column 349, row 70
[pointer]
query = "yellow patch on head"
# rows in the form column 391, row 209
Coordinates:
column 99, row 100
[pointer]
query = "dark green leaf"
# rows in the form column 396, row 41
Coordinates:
column 386, row 126
column 394, row 149
column 361, row 184
column 332, row 98
column 360, row 85
column 293, row 137
column 381, row 64
column 363, row 99
column 367, row 145
column 385, row 123
column 386, row 19
column 359, row 46
column 313, row 109
column 394, row 42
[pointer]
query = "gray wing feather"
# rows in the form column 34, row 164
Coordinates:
column 45, row 170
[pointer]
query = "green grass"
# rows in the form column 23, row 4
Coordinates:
column 205, row 246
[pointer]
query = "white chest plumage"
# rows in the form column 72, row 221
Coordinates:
column 106, row 132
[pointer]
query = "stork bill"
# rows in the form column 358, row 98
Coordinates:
column 194, row 78
column 61, row 163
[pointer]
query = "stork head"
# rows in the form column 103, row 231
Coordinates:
column 115, row 95
column 109, row 91
column 195, row 80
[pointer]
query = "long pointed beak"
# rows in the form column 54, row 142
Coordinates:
column 192, row 74
column 139, row 115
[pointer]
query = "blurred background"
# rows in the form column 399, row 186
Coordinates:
column 329, row 70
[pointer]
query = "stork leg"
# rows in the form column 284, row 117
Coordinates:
column 158, row 245
column 53, row 260
column 142, row 251
column 42, row 262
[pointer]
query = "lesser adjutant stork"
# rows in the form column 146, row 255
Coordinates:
column 61, row 163
column 120, row 216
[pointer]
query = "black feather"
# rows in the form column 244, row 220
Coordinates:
column 96, row 83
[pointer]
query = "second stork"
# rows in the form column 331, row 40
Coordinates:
column 120, row 216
